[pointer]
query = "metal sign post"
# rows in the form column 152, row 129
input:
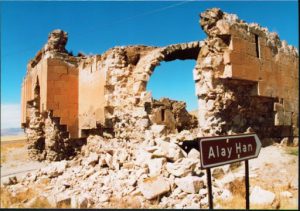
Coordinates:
column 221, row 150
column 209, row 187
column 247, row 184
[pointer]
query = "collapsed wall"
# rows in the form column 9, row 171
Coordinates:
column 246, row 80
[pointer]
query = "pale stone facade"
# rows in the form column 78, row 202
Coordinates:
column 246, row 79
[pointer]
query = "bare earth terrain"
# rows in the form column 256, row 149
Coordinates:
column 275, row 170
column 14, row 157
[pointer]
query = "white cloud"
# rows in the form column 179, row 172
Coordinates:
column 10, row 116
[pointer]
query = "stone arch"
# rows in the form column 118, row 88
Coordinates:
column 147, row 64
column 171, row 113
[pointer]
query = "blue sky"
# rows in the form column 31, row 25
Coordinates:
column 94, row 27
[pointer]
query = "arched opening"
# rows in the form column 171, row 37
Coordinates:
column 173, row 90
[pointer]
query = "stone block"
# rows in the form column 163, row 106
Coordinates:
column 227, row 72
column 226, row 57
column 274, row 67
column 237, row 44
column 279, row 118
column 190, row 184
column 155, row 166
column 287, row 118
column 261, row 196
column 54, row 62
column 266, row 66
column 154, row 186
column 59, row 69
column 265, row 89
column 250, row 48
column 237, row 58
column 223, row 26
column 244, row 72
column 278, row 107
column 295, row 119
column 138, row 87
column 142, row 77
column 53, row 76
column 265, row 52
column 182, row 167
column 288, row 106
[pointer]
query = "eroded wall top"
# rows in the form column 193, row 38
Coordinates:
column 217, row 23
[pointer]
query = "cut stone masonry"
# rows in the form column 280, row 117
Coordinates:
column 246, row 80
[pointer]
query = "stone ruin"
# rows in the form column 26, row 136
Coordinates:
column 246, row 80
column 119, row 147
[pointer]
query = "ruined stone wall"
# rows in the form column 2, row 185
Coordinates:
column 36, row 75
column 235, row 54
column 91, row 94
column 62, row 96
column 58, row 83
column 128, row 104
column 55, row 71
column 241, row 84
column 246, row 80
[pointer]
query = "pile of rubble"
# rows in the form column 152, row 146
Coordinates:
column 155, row 170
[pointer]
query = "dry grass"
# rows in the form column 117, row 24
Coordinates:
column 124, row 203
column 12, row 138
column 27, row 199
column 131, row 203
column 6, row 147
column 292, row 150
column 237, row 188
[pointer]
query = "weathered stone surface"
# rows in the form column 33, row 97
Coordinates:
column 168, row 150
column 286, row 194
column 173, row 114
column 194, row 154
column 261, row 196
column 190, row 184
column 142, row 156
column 181, row 167
column 57, row 41
column 154, row 186
column 158, row 130
column 55, row 169
column 92, row 159
column 63, row 200
column 155, row 166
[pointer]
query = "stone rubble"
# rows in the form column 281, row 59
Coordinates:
column 261, row 196
column 110, row 168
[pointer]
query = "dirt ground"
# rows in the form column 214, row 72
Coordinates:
column 275, row 170
column 14, row 157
